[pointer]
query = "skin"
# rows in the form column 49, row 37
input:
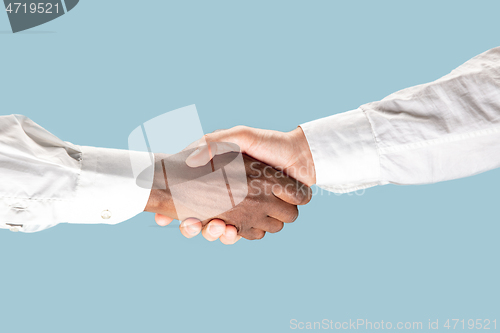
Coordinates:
column 268, row 197
column 288, row 152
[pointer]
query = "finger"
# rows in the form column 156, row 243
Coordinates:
column 213, row 230
column 253, row 234
column 204, row 154
column 292, row 191
column 241, row 136
column 202, row 141
column 283, row 211
column 197, row 143
column 230, row 236
column 270, row 224
column 190, row 227
column 162, row 220
column 238, row 135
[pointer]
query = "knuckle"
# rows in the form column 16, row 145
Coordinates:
column 242, row 131
column 239, row 128
column 207, row 137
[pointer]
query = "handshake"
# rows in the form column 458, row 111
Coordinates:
column 274, row 177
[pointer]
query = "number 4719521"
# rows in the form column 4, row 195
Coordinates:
column 41, row 8
column 478, row 324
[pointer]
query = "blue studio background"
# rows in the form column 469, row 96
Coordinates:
column 395, row 253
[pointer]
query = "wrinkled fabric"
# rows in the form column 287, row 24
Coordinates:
column 443, row 130
column 46, row 181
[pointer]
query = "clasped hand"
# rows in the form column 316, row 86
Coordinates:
column 266, row 197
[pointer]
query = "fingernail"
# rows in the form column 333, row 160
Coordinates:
column 191, row 229
column 214, row 230
column 190, row 226
column 191, row 160
column 195, row 153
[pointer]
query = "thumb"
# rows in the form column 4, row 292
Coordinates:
column 203, row 155
column 216, row 143
column 294, row 192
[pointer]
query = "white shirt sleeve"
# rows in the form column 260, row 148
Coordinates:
column 46, row 181
column 443, row 130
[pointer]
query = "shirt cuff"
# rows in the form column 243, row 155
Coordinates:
column 344, row 152
column 107, row 191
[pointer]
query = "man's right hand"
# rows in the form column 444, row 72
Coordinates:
column 288, row 152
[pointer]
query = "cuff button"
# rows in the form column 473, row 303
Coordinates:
column 106, row 214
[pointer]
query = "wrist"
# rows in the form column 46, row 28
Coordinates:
column 304, row 164
column 160, row 199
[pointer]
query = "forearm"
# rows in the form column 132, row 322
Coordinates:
column 446, row 129
column 46, row 181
